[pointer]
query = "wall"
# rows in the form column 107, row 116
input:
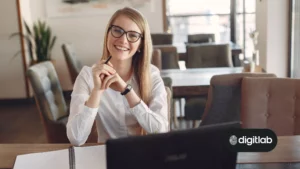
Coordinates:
column 272, row 24
column 11, row 69
column 86, row 33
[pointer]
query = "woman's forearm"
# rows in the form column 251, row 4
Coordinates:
column 94, row 99
column 132, row 98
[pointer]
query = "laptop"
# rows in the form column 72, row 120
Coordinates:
column 205, row 147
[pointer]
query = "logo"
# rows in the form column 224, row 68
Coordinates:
column 233, row 140
column 252, row 140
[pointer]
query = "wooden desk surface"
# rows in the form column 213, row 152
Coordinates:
column 286, row 151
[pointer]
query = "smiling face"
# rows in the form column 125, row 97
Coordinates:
column 120, row 48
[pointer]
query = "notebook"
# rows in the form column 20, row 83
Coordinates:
column 206, row 147
column 91, row 157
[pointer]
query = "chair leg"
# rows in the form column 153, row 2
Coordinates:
column 180, row 109
column 174, row 118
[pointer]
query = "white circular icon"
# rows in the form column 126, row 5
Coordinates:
column 233, row 140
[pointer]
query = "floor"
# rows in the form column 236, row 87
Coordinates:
column 20, row 123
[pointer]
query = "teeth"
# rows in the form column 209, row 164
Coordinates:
column 121, row 48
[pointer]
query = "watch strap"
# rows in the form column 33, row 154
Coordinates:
column 127, row 89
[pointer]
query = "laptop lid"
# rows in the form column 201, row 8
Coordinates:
column 204, row 147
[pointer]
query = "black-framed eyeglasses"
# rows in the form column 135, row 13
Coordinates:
column 131, row 36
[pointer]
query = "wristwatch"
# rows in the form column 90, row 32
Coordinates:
column 127, row 89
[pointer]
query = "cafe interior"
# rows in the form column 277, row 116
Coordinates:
column 220, row 61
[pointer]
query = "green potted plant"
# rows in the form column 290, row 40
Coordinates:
column 39, row 40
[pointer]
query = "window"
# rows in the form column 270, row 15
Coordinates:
column 210, row 16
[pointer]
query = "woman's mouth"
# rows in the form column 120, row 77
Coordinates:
column 121, row 48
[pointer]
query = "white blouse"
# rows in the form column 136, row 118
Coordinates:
column 114, row 117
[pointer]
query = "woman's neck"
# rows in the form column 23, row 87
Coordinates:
column 123, row 68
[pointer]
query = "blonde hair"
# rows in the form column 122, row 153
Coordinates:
column 141, row 60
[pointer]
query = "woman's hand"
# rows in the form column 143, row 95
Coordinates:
column 100, row 71
column 115, row 82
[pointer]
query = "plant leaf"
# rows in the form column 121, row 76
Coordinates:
column 27, row 28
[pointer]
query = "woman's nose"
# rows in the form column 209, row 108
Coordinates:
column 123, row 38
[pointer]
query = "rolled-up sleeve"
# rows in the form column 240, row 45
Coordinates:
column 81, row 117
column 154, row 118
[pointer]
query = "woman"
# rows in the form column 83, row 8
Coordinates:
column 124, row 96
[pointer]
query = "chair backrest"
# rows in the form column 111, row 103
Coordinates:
column 169, row 56
column 49, row 99
column 271, row 103
column 156, row 58
column 74, row 66
column 162, row 38
column 208, row 55
column 224, row 98
column 201, row 38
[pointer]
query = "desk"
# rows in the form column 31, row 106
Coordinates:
column 194, row 82
column 286, row 152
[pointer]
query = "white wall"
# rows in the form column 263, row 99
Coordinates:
column 272, row 24
column 12, row 83
column 86, row 33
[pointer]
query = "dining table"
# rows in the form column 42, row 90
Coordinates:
column 195, row 82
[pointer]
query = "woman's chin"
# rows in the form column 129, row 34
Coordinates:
column 122, row 57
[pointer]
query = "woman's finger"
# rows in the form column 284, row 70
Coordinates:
column 111, row 65
column 106, row 80
column 110, row 81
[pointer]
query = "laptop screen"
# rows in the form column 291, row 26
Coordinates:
column 204, row 147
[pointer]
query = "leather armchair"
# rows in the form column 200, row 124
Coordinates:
column 224, row 98
column 271, row 103
column 201, row 38
column 203, row 56
column 208, row 55
column 156, row 58
column 51, row 103
column 74, row 66
column 169, row 56
column 162, row 38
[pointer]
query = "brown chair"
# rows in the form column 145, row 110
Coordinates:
column 156, row 58
column 169, row 56
column 208, row 55
column 162, row 38
column 224, row 98
column 271, row 103
column 201, row 38
column 203, row 56
column 74, row 66
column 50, row 101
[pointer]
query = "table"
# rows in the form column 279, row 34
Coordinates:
column 194, row 82
column 286, row 153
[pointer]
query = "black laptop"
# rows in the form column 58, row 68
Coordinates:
column 201, row 148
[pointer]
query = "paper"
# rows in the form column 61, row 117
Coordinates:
column 48, row 160
column 92, row 157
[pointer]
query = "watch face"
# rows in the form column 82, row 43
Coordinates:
column 129, row 87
